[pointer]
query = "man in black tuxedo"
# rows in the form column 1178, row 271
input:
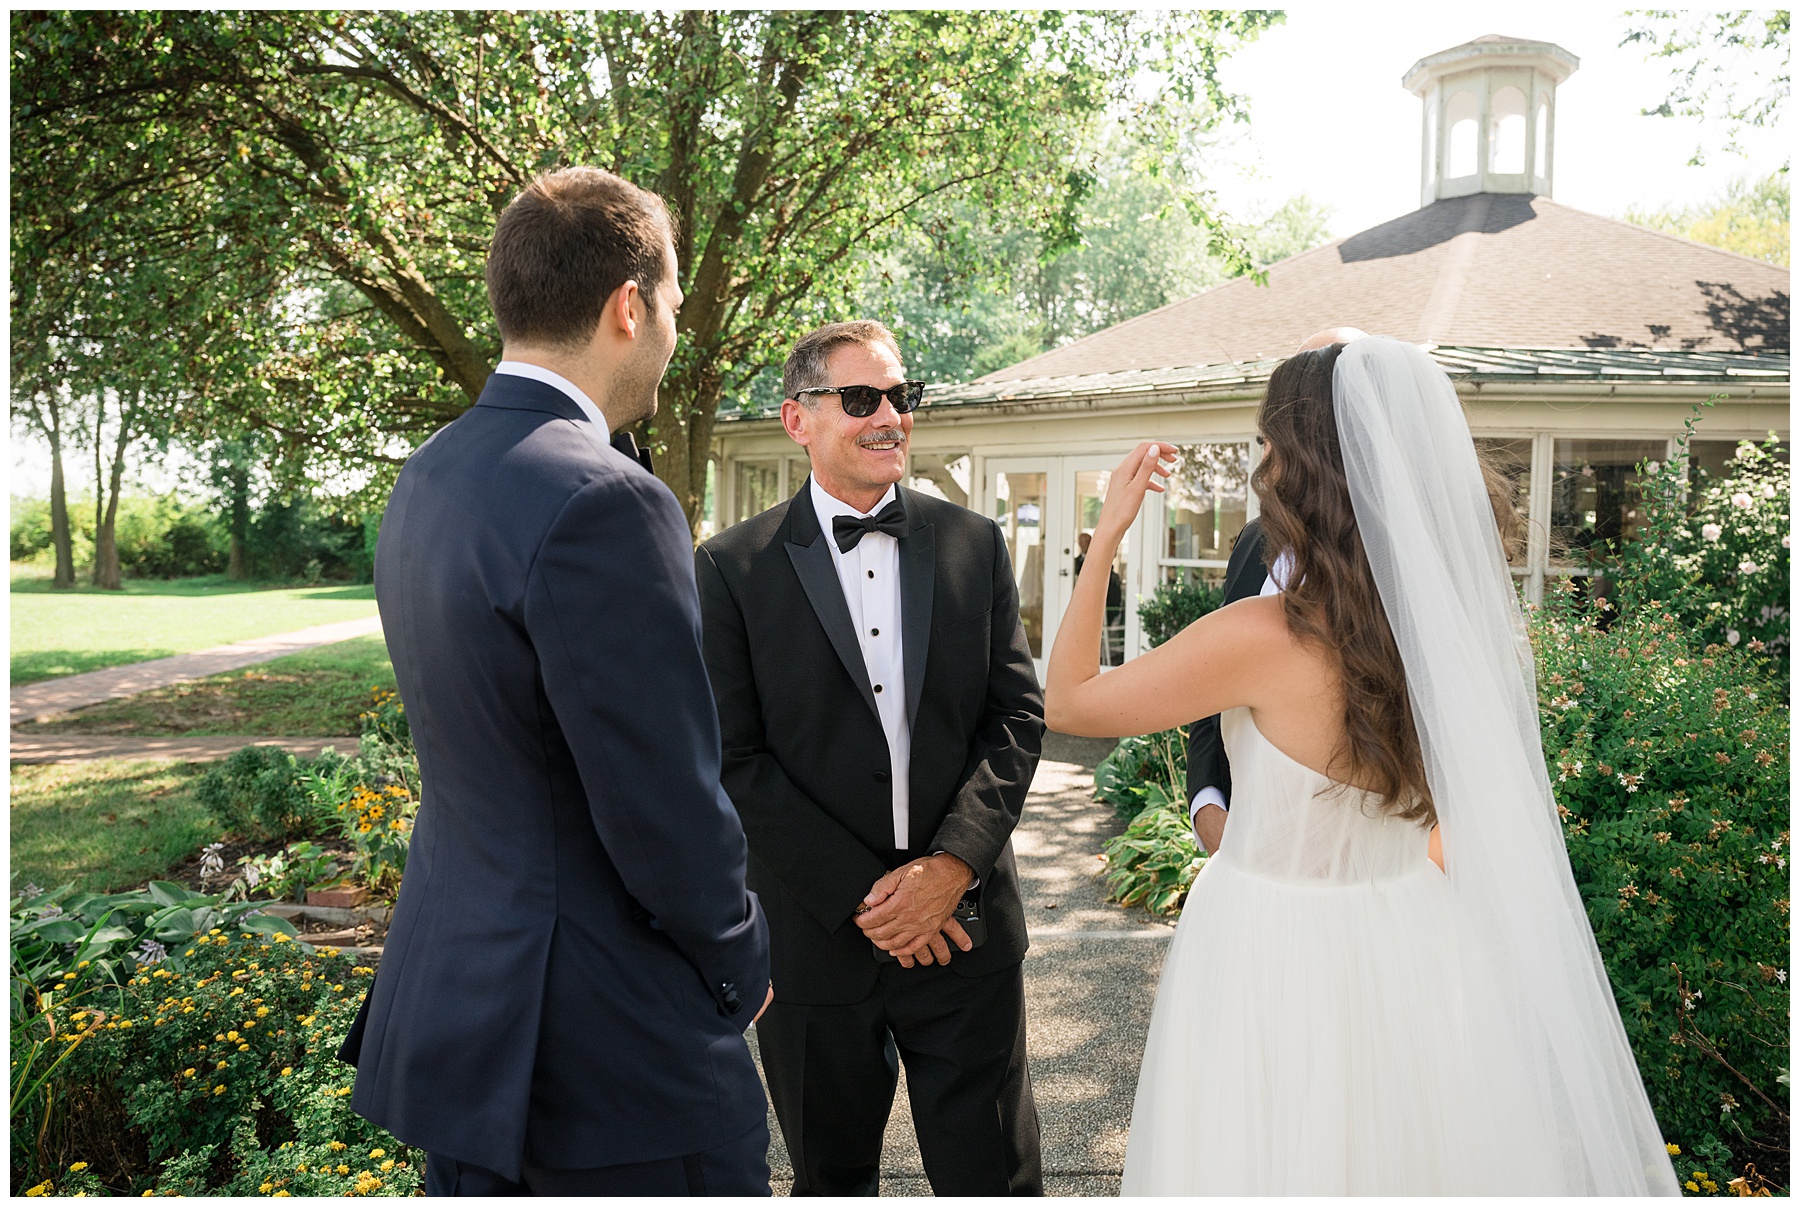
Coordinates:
column 574, row 956
column 881, row 723
column 1208, row 770
column 1248, row 573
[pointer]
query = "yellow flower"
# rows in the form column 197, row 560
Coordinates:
column 219, row 1089
column 281, row 1194
column 261, row 1012
column 187, row 1072
column 300, row 1168
column 265, row 1188
column 387, row 1165
column 337, row 1146
column 149, row 1194
column 68, row 976
column 243, row 1047
column 221, row 1064
column 221, row 1036
column 343, row 1169
column 375, row 1154
column 286, row 1071
column 42, row 1188
column 232, row 1036
column 78, row 1167
column 1692, row 1188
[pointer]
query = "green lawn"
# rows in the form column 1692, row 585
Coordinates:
column 63, row 632
column 315, row 694
column 104, row 825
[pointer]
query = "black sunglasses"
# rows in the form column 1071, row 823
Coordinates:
column 861, row 401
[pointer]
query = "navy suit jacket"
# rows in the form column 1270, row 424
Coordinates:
column 574, row 955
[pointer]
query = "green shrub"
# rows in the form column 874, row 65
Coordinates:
column 30, row 527
column 1670, row 766
column 256, row 793
column 1139, row 767
column 1716, row 557
column 1154, row 862
column 1172, row 607
column 220, row 1078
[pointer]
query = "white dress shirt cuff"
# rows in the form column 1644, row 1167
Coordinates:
column 1206, row 796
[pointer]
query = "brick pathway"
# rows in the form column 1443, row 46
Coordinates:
column 85, row 747
column 38, row 700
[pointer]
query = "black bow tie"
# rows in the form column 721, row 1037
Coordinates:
column 624, row 442
column 847, row 530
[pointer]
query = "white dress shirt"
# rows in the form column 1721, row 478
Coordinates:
column 870, row 577
column 1272, row 585
column 518, row 368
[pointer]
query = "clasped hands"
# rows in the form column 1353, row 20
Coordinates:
column 907, row 912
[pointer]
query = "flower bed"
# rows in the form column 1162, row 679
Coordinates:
column 214, row 1077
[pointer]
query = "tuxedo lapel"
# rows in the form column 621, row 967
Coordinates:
column 918, row 575
column 806, row 548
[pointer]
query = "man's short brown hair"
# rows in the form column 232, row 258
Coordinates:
column 564, row 245
column 805, row 366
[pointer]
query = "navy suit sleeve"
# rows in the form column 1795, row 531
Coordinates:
column 1207, row 766
column 826, row 867
column 1004, row 753
column 612, row 611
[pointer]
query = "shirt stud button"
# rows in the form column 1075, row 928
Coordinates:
column 871, row 574
column 878, row 689
column 874, row 632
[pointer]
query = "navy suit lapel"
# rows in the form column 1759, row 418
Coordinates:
column 806, row 548
column 918, row 575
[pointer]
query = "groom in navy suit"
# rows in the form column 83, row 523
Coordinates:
column 574, row 956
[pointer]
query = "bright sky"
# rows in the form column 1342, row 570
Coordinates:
column 1330, row 119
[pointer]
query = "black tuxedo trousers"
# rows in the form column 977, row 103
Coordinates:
column 807, row 764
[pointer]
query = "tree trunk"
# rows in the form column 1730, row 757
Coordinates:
column 239, row 479
column 107, row 572
column 99, row 483
column 60, row 538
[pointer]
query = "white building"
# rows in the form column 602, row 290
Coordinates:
column 1579, row 344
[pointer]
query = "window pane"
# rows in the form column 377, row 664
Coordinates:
column 1711, row 460
column 941, row 475
column 1594, row 499
column 1090, row 495
column 758, row 488
column 1512, row 457
column 1207, row 500
column 1019, row 510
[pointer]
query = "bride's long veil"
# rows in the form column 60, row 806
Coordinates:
column 1561, row 1091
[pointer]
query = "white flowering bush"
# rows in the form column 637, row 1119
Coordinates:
column 1716, row 557
column 1670, row 766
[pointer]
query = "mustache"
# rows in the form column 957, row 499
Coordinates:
column 890, row 435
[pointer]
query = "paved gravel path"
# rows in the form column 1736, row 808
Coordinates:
column 1090, row 980
column 51, row 696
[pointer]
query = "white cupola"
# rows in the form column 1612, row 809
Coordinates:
column 1490, row 116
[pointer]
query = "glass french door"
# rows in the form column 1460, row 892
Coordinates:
column 1047, row 508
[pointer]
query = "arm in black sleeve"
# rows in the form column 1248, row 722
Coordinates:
column 991, row 799
column 612, row 611
column 1207, row 766
column 818, row 860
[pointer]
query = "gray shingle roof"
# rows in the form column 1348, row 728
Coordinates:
column 1180, row 383
column 1491, row 271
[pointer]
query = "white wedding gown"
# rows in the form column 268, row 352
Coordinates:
column 1307, row 1038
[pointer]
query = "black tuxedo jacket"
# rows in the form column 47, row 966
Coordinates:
column 1245, row 574
column 574, row 954
column 806, row 760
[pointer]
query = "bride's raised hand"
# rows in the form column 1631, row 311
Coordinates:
column 1136, row 475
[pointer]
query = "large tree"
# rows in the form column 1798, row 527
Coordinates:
column 1729, row 68
column 361, row 158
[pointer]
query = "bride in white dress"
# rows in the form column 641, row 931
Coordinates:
column 1344, row 1009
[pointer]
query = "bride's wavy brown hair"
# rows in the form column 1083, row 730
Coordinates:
column 1330, row 593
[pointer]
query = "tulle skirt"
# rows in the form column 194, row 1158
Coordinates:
column 1307, row 1040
